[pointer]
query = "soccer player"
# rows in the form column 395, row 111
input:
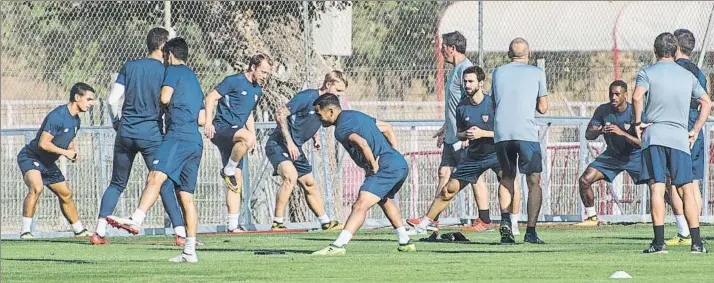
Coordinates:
column 453, row 48
column 179, row 155
column 233, row 128
column 37, row 159
column 518, row 90
column 685, row 45
column 297, row 123
column 614, row 122
column 474, row 123
column 139, row 130
column 371, row 144
column 668, row 90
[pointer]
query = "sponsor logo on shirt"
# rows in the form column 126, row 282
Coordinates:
column 243, row 92
column 66, row 130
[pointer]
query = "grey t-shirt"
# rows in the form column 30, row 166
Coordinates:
column 454, row 94
column 515, row 90
column 670, row 89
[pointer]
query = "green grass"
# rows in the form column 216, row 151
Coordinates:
column 570, row 255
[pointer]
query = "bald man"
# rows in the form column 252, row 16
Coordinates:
column 518, row 90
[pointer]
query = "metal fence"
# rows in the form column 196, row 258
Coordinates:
column 565, row 156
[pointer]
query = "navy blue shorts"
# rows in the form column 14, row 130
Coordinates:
column 179, row 160
column 611, row 166
column 470, row 169
column 277, row 152
column 659, row 162
column 390, row 177
column 524, row 153
column 450, row 157
column 223, row 139
column 125, row 150
column 698, row 158
column 28, row 160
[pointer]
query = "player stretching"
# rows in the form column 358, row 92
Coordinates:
column 37, row 159
column 138, row 125
column 518, row 91
column 614, row 121
column 233, row 128
column 685, row 45
column 474, row 123
column 668, row 89
column 371, row 144
column 179, row 155
column 297, row 124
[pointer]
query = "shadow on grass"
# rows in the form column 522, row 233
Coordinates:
column 626, row 238
column 492, row 252
column 270, row 251
column 72, row 261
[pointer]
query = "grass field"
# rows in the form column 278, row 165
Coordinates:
column 570, row 255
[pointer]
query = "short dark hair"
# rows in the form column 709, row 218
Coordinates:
column 480, row 74
column 178, row 47
column 156, row 38
column 256, row 59
column 619, row 83
column 685, row 40
column 455, row 39
column 79, row 88
column 665, row 45
column 327, row 100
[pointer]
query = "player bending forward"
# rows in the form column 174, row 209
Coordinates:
column 233, row 128
column 474, row 122
column 179, row 155
column 297, row 123
column 37, row 159
column 371, row 144
column 614, row 122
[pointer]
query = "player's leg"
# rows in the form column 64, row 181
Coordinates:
column 516, row 208
column 234, row 180
column 243, row 140
column 654, row 170
column 391, row 210
column 169, row 199
column 439, row 204
column 124, row 153
column 233, row 202
column 288, row 174
column 449, row 160
column 364, row 202
column 188, row 179
column 480, row 191
column 681, row 176
column 33, row 180
column 314, row 202
column 674, row 199
column 530, row 163
column 507, row 153
column 67, row 206
column 591, row 175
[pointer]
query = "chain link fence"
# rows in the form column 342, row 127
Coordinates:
column 390, row 53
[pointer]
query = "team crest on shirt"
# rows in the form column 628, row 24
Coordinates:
column 37, row 164
column 484, row 118
column 243, row 92
column 627, row 126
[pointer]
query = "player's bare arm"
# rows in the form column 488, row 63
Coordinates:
column 705, row 104
column 542, row 104
column 593, row 132
column 616, row 130
column 361, row 143
column 46, row 144
column 316, row 141
column 638, row 105
column 210, row 102
column 201, row 118
column 282, row 120
column 115, row 96
column 388, row 132
column 166, row 93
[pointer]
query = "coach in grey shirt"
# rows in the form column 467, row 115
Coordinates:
column 661, row 101
column 518, row 91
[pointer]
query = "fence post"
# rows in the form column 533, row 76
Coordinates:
column 705, row 182
column 582, row 128
column 102, row 182
column 247, row 193
column 480, row 33
column 329, row 198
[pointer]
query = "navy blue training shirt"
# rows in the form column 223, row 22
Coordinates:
column 354, row 122
column 185, row 105
column 617, row 146
column 60, row 124
column 238, row 98
column 303, row 122
column 141, row 112
column 480, row 115
column 694, row 105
